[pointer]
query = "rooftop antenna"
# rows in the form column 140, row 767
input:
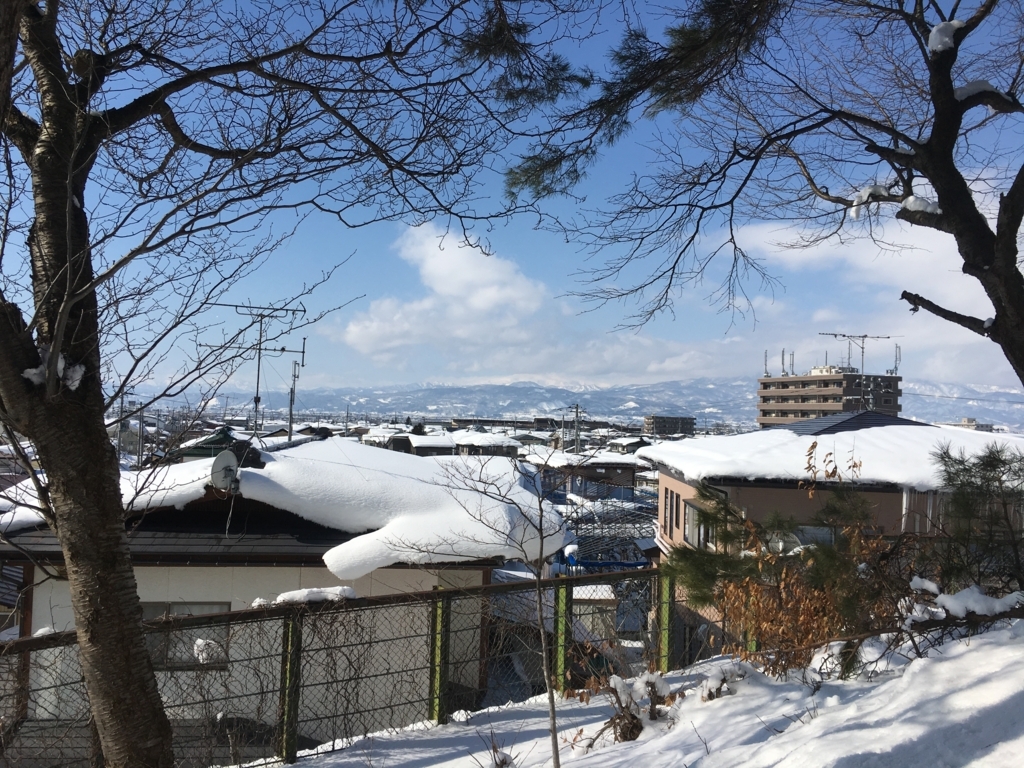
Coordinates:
column 262, row 315
column 783, row 361
column 860, row 340
column 896, row 365
column 766, row 374
column 791, row 371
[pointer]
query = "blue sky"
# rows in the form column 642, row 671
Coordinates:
column 433, row 311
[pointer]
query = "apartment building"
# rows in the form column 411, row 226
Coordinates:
column 824, row 391
column 669, row 425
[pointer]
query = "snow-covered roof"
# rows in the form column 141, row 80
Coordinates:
column 892, row 454
column 483, row 439
column 428, row 441
column 628, row 440
column 416, row 511
column 555, row 459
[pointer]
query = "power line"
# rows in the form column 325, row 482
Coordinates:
column 955, row 397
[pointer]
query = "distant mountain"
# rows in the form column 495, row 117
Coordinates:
column 714, row 399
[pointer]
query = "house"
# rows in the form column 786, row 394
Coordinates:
column 421, row 445
column 629, row 444
column 328, row 512
column 469, row 442
column 767, row 471
column 597, row 475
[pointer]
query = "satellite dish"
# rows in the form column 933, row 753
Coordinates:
column 225, row 468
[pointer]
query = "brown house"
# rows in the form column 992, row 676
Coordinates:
column 888, row 460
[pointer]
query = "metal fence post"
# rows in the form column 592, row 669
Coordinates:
column 291, row 686
column 440, row 629
column 666, row 595
column 563, row 634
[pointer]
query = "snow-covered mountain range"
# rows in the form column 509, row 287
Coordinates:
column 714, row 399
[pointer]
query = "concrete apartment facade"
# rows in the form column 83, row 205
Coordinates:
column 669, row 425
column 824, row 391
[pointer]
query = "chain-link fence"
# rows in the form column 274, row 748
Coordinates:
column 274, row 681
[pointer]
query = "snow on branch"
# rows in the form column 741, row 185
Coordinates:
column 942, row 36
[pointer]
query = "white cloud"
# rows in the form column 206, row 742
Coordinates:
column 473, row 301
column 480, row 318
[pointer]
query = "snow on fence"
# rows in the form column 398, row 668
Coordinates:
column 280, row 679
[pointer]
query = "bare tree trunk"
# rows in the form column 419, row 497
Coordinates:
column 64, row 417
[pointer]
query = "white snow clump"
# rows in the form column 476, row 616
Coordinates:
column 207, row 651
column 924, row 585
column 941, row 37
column 863, row 196
column 661, row 687
column 315, row 595
column 70, row 375
column 43, row 631
column 923, row 204
column 259, row 602
column 973, row 87
column 973, row 600
column 989, row 322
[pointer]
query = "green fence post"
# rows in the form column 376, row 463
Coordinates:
column 440, row 629
column 666, row 595
column 563, row 634
column 291, row 685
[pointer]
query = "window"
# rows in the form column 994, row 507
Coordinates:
column 193, row 648
column 886, row 401
column 664, row 515
column 678, row 504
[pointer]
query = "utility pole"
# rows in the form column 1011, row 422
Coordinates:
column 291, row 397
column 577, row 425
column 142, row 436
column 120, row 427
column 262, row 315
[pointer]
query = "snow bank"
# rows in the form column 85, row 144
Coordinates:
column 941, row 37
column 959, row 707
column 891, row 454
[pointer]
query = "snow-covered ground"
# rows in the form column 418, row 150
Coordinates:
column 961, row 706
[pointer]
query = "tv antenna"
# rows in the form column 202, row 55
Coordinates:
column 262, row 315
column 861, row 341
column 896, row 365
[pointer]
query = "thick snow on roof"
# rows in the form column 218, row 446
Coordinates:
column 892, row 454
column 483, row 439
column 428, row 441
column 555, row 459
column 419, row 511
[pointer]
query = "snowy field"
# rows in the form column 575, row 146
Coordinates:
column 961, row 706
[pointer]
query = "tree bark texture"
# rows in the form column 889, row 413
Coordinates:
column 65, row 421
